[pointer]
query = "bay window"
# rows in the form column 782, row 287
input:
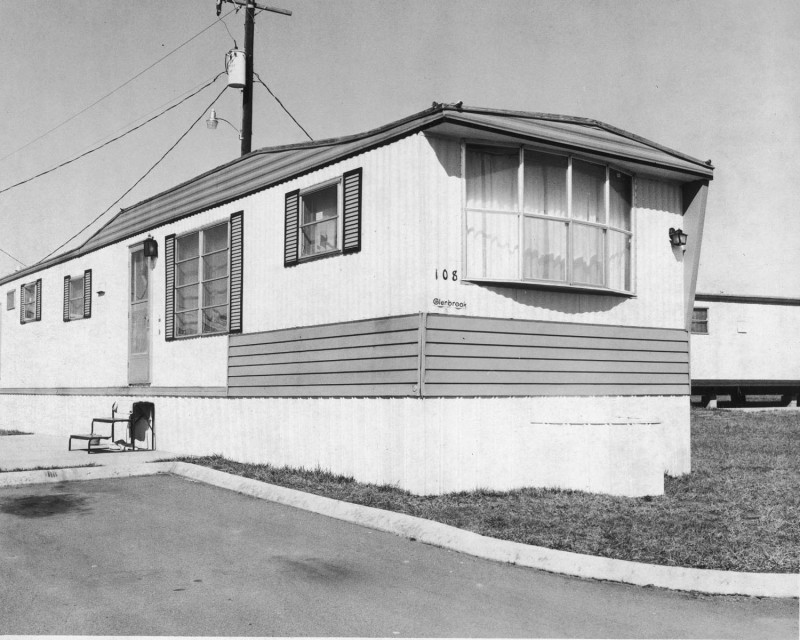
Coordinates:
column 540, row 217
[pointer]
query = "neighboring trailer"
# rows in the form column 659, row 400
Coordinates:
column 464, row 298
column 745, row 345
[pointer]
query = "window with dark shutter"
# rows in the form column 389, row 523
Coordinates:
column 87, row 293
column 351, row 205
column 237, row 257
column 30, row 302
column 290, row 241
column 324, row 219
column 169, row 289
column 67, row 281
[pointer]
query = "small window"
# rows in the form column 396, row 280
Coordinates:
column 76, row 298
column 320, row 220
column 30, row 302
column 699, row 320
column 10, row 300
column 202, row 282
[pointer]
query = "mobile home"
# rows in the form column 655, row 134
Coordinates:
column 463, row 298
column 745, row 345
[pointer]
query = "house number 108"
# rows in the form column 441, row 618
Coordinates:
column 452, row 275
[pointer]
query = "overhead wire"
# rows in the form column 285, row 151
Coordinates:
column 258, row 77
column 113, row 91
column 12, row 257
column 114, row 139
column 135, row 184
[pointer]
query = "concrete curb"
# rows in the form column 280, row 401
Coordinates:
column 771, row 585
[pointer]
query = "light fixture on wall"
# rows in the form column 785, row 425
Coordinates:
column 150, row 247
column 213, row 120
column 677, row 238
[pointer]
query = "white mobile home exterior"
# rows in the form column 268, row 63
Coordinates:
column 464, row 298
column 745, row 345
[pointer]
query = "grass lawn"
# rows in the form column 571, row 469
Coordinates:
column 738, row 510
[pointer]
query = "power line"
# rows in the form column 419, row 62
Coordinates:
column 12, row 257
column 258, row 77
column 105, row 144
column 135, row 184
column 127, row 82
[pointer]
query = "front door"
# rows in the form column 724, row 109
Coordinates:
column 139, row 319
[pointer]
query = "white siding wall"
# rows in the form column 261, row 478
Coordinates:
column 383, row 279
column 428, row 447
column 93, row 352
column 658, row 268
column 747, row 342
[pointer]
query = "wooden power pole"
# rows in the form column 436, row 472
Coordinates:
column 247, row 91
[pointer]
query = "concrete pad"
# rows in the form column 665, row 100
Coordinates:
column 44, row 450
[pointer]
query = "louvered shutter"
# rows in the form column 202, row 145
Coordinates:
column 87, row 293
column 38, row 299
column 66, row 298
column 169, row 288
column 22, row 304
column 291, row 228
column 351, row 199
column 237, row 255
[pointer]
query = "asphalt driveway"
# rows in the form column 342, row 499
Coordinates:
column 161, row 555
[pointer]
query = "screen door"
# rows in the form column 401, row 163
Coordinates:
column 139, row 319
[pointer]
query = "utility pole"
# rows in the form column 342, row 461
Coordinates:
column 247, row 91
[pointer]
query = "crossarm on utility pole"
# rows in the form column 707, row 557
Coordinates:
column 261, row 7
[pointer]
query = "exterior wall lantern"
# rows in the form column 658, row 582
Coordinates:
column 150, row 247
column 677, row 238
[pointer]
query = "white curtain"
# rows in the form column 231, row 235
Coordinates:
column 545, row 255
column 619, row 261
column 588, row 188
column 587, row 254
column 620, row 200
column 492, row 178
column 545, row 180
column 492, row 245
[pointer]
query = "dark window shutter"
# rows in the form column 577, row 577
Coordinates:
column 87, row 293
column 237, row 255
column 39, row 299
column 22, row 304
column 66, row 298
column 290, row 240
column 351, row 199
column 169, row 289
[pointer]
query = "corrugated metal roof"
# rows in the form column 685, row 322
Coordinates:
column 264, row 168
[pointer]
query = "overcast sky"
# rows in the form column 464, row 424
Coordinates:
column 716, row 79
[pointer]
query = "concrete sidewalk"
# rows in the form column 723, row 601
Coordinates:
column 18, row 453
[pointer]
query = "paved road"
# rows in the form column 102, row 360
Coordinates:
column 165, row 556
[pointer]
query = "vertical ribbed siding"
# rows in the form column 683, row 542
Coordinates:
column 67, row 280
column 169, row 287
column 290, row 230
column 351, row 199
column 237, row 236
column 87, row 293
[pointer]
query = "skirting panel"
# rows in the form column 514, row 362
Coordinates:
column 615, row 445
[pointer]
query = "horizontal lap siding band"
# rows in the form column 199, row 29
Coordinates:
column 556, row 353
column 143, row 392
column 336, row 355
column 331, row 366
column 536, row 340
column 325, row 391
column 377, row 339
column 367, row 378
column 493, row 325
column 359, row 327
column 535, row 364
column 564, row 390
column 554, row 377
